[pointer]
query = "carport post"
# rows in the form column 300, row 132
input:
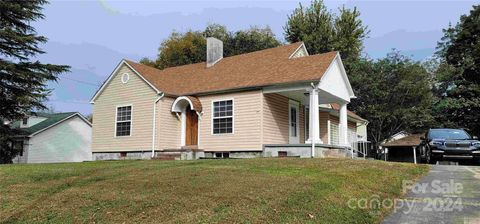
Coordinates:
column 414, row 155
column 385, row 152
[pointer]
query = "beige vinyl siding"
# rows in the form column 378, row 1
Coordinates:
column 168, row 125
column 334, row 129
column 324, row 116
column 275, row 119
column 246, row 122
column 135, row 92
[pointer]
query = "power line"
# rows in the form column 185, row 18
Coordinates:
column 80, row 81
column 67, row 101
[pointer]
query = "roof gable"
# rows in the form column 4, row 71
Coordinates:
column 301, row 51
column 335, row 81
column 116, row 72
column 52, row 120
column 256, row 69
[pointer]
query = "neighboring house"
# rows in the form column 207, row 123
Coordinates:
column 53, row 138
column 396, row 136
column 275, row 102
column 401, row 148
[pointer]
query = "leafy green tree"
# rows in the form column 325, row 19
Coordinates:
column 182, row 49
column 253, row 39
column 349, row 34
column 322, row 31
column 190, row 47
column 393, row 94
column 458, row 74
column 23, row 80
column 313, row 25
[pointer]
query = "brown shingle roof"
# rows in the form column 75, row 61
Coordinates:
column 351, row 114
column 197, row 105
column 256, row 69
column 411, row 140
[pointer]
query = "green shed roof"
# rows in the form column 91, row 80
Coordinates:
column 51, row 120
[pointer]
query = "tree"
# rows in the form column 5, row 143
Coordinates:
column 322, row 31
column 181, row 49
column 458, row 74
column 190, row 47
column 23, row 80
column 253, row 39
column 349, row 34
column 312, row 25
column 393, row 94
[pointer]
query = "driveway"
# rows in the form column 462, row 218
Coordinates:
column 448, row 194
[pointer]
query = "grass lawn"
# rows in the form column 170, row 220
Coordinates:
column 201, row 191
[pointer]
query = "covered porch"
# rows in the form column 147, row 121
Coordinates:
column 332, row 88
column 308, row 100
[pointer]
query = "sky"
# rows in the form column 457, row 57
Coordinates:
column 93, row 36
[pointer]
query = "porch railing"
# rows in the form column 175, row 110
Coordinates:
column 361, row 149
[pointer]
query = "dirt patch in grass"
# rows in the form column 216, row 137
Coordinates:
column 204, row 191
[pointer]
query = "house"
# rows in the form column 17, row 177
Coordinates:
column 396, row 136
column 274, row 102
column 53, row 138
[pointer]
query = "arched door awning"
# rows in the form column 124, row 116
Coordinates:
column 182, row 101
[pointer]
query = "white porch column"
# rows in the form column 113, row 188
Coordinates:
column 314, row 121
column 183, row 128
column 343, row 126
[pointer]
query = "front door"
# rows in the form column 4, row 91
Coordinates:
column 293, row 122
column 191, row 134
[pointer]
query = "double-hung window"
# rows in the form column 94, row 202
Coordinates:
column 124, row 121
column 223, row 117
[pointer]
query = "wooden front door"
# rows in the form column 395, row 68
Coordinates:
column 191, row 134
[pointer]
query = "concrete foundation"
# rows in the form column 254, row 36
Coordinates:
column 233, row 154
column 271, row 150
column 305, row 150
column 121, row 155
column 183, row 155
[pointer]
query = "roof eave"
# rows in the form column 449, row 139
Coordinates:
column 122, row 62
column 60, row 121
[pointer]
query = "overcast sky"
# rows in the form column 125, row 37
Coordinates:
column 93, row 36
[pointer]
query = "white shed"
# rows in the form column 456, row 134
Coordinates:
column 54, row 138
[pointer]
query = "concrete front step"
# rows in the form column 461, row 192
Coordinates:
column 175, row 156
column 178, row 154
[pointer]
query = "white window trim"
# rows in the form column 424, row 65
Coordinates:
column 131, row 121
column 296, row 104
column 233, row 116
column 128, row 78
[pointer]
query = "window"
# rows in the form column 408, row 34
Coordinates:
column 224, row 155
column 223, row 117
column 125, row 78
column 124, row 121
column 25, row 121
column 293, row 121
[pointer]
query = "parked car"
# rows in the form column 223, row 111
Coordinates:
column 445, row 144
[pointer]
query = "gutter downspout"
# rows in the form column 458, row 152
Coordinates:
column 154, row 129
